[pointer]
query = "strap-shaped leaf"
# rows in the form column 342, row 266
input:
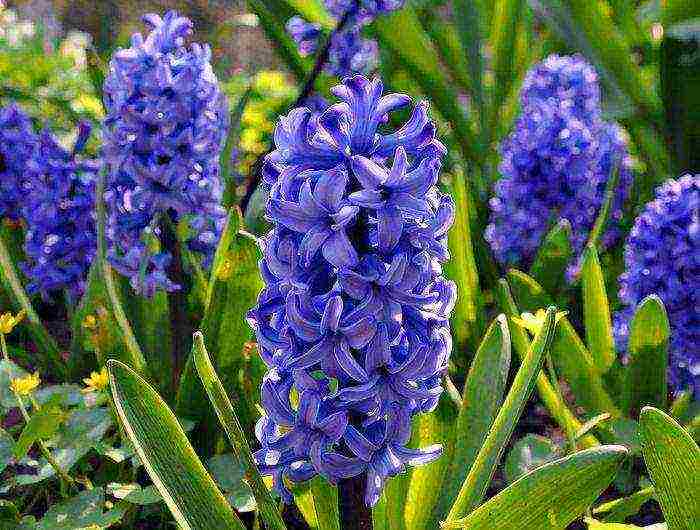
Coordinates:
column 550, row 497
column 645, row 375
column 553, row 257
column 596, row 312
column 232, row 427
column 481, row 399
column 673, row 461
column 484, row 465
column 183, row 482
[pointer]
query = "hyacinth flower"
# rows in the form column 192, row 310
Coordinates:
column 163, row 135
column 349, row 52
column 556, row 164
column 353, row 322
column 662, row 257
column 61, row 239
column 17, row 143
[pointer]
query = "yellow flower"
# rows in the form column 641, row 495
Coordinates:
column 534, row 323
column 8, row 321
column 90, row 322
column 97, row 381
column 25, row 385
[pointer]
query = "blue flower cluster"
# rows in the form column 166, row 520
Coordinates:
column 662, row 257
column 349, row 52
column 61, row 239
column 353, row 320
column 557, row 162
column 17, row 143
column 163, row 135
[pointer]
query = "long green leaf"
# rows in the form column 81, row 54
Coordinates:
column 645, row 373
column 553, row 257
column 620, row 509
column 673, row 461
column 481, row 399
column 571, row 357
column 48, row 349
column 596, row 312
column 550, row 497
column 474, row 486
column 468, row 15
column 232, row 427
column 559, row 410
column 153, row 430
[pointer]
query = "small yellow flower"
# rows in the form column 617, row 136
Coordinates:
column 534, row 323
column 8, row 321
column 97, row 381
column 90, row 322
column 25, row 385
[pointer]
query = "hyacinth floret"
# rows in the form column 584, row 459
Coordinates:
column 353, row 320
column 61, row 239
column 164, row 131
column 17, row 143
column 556, row 163
column 662, row 257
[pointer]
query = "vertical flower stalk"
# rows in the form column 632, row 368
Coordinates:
column 556, row 163
column 61, row 240
column 353, row 320
column 163, row 135
column 662, row 257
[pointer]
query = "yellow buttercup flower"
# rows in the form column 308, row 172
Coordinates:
column 534, row 323
column 97, row 381
column 90, row 322
column 25, row 385
column 8, row 321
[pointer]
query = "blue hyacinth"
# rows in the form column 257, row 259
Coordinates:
column 17, row 143
column 556, row 163
column 353, row 320
column 662, row 257
column 61, row 240
column 164, row 131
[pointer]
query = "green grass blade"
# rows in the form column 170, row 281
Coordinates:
column 474, row 486
column 552, row 496
column 596, row 312
column 49, row 354
column 183, row 482
column 645, row 373
column 481, row 399
column 673, row 461
column 558, row 409
column 232, row 427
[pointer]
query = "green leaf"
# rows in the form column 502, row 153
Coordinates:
column 596, row 312
column 553, row 257
column 679, row 11
column 474, row 486
column 134, row 493
column 325, row 498
column 673, row 461
column 481, row 399
column 229, row 475
column 597, row 525
column 620, row 509
column 552, row 496
column 83, row 511
column 49, row 355
column 183, row 482
column 468, row 17
column 6, row 445
column 573, row 361
column 559, row 410
column 529, row 453
column 42, row 425
column 230, row 423
column 645, row 374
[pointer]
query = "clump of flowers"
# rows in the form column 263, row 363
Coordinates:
column 61, row 240
column 662, row 257
column 17, row 142
column 557, row 162
column 163, row 134
column 349, row 51
column 353, row 320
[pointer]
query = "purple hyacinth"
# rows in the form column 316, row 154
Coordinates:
column 164, row 131
column 662, row 257
column 365, row 10
column 17, row 143
column 556, row 163
column 353, row 320
column 305, row 34
column 61, row 240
